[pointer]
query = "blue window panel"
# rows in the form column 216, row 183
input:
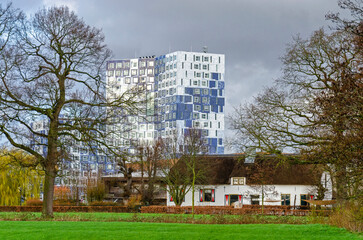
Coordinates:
column 221, row 108
column 179, row 107
column 215, row 76
column 212, row 150
column 213, row 100
column 188, row 99
column 212, row 84
column 221, row 101
column 220, row 150
column 189, row 91
column 220, row 85
column 213, row 142
column 214, row 92
column 214, row 108
column 220, row 141
column 188, row 123
column 189, row 107
column 179, row 99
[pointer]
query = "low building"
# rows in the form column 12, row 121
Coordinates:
column 120, row 188
column 230, row 180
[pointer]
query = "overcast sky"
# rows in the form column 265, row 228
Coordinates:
column 251, row 33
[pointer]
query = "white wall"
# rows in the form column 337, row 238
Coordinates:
column 246, row 191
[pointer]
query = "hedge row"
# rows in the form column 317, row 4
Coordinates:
column 232, row 211
column 117, row 209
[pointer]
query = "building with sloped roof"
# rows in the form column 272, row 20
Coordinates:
column 228, row 179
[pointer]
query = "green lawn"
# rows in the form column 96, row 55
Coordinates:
column 133, row 230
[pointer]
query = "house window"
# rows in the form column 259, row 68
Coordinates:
column 304, row 197
column 234, row 198
column 207, row 195
column 285, row 199
column 255, row 200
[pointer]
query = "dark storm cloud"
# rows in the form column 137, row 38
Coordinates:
column 251, row 33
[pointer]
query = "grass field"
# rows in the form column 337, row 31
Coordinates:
column 133, row 230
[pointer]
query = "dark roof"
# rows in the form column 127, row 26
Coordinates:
column 267, row 169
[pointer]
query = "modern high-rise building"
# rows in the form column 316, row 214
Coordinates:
column 182, row 90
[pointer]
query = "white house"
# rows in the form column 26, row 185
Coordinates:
column 230, row 181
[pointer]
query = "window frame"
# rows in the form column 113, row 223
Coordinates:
column 284, row 200
column 202, row 194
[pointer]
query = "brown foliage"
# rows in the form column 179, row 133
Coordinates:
column 33, row 202
column 349, row 216
column 248, row 209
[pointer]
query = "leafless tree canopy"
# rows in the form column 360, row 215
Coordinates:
column 315, row 108
column 52, row 69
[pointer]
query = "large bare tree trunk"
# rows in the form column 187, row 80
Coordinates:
column 193, row 193
column 48, row 194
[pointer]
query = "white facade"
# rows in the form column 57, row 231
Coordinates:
column 190, row 94
column 183, row 90
column 124, row 76
column 225, row 195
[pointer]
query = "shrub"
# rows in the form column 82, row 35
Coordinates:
column 134, row 201
column 62, row 193
column 63, row 202
column 348, row 215
column 101, row 203
column 95, row 191
column 34, row 202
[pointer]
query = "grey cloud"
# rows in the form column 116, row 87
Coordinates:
column 252, row 34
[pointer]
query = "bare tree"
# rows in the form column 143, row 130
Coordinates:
column 263, row 171
column 188, row 165
column 176, row 178
column 315, row 108
column 52, row 69
column 150, row 160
